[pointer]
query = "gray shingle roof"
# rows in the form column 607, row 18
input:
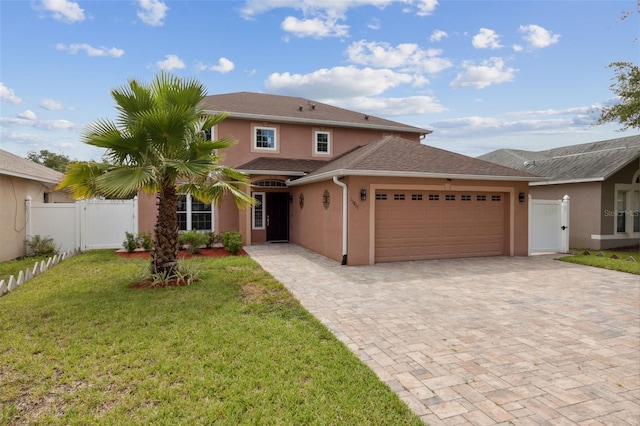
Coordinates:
column 287, row 166
column 395, row 156
column 12, row 165
column 278, row 108
column 595, row 161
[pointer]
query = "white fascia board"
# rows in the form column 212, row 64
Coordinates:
column 387, row 173
column 272, row 172
column 29, row 177
column 275, row 118
column 562, row 182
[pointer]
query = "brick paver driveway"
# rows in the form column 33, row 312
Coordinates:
column 482, row 341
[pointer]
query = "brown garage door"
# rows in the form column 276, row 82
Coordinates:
column 412, row 225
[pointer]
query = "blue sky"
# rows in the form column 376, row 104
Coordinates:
column 482, row 75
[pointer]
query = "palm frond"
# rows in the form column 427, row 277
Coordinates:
column 81, row 179
column 124, row 182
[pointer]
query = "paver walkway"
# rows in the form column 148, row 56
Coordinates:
column 482, row 341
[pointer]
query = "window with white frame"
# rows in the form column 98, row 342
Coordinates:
column 322, row 143
column 194, row 214
column 265, row 138
column 209, row 134
column 257, row 211
column 627, row 207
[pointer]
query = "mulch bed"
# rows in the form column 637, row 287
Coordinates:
column 214, row 252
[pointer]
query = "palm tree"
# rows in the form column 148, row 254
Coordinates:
column 157, row 145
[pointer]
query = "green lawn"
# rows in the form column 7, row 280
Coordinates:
column 592, row 259
column 13, row 267
column 78, row 346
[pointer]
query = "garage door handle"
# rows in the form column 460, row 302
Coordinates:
column 563, row 227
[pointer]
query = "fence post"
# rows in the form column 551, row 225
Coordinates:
column 80, row 224
column 564, row 219
column 134, row 206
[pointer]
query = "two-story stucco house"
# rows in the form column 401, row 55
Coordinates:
column 356, row 188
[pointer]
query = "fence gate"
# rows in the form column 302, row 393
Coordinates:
column 549, row 225
column 86, row 224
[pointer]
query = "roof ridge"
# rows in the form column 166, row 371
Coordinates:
column 590, row 152
column 372, row 147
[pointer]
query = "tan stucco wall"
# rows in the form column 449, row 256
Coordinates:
column 320, row 229
column 13, row 225
column 295, row 140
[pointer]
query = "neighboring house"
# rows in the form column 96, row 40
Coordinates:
column 356, row 188
column 602, row 180
column 21, row 178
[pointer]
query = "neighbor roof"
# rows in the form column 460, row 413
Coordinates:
column 281, row 166
column 277, row 108
column 12, row 165
column 395, row 156
column 589, row 162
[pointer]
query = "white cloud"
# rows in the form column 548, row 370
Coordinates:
column 315, row 8
column 171, row 62
column 405, row 56
column 8, row 95
column 40, row 124
column 91, row 51
column 374, row 24
column 52, row 105
column 537, row 36
column 28, row 115
column 517, row 48
column 489, row 72
column 426, row 7
column 152, row 12
column 438, row 35
column 337, row 82
column 486, row 39
column 224, row 66
column 317, row 28
column 389, row 107
column 63, row 10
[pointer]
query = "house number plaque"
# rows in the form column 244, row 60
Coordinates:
column 326, row 199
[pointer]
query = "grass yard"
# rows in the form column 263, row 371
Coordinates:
column 606, row 261
column 78, row 346
column 13, row 267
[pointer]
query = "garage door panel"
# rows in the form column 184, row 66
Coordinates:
column 436, row 225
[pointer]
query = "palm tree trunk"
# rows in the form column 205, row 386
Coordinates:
column 164, row 258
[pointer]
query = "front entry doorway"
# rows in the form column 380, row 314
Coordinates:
column 277, row 206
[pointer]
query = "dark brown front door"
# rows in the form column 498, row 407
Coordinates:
column 277, row 216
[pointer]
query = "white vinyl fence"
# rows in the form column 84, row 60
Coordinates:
column 84, row 225
column 549, row 225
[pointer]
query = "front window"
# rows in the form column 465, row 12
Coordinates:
column 257, row 211
column 621, row 212
column 322, row 143
column 194, row 214
column 265, row 138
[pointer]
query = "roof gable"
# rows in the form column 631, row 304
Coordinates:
column 395, row 156
column 595, row 161
column 279, row 108
column 12, row 165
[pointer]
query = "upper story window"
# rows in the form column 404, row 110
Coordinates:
column 209, row 134
column 265, row 138
column 322, row 142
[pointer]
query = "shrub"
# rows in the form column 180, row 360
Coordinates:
column 130, row 243
column 192, row 240
column 144, row 240
column 42, row 246
column 232, row 241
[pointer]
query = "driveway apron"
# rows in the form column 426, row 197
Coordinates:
column 483, row 341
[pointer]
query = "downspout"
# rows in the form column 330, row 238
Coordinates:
column 344, row 217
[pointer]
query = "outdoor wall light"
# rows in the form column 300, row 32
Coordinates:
column 521, row 197
column 363, row 194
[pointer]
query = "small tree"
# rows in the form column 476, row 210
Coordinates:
column 627, row 87
column 157, row 145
